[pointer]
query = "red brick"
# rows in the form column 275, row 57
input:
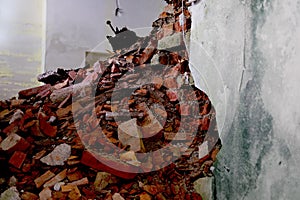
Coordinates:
column 97, row 162
column 17, row 159
column 46, row 127
column 33, row 91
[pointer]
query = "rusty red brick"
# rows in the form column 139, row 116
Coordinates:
column 24, row 94
column 97, row 162
column 17, row 159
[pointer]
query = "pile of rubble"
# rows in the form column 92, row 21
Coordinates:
column 131, row 127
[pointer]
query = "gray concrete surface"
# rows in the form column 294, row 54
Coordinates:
column 247, row 56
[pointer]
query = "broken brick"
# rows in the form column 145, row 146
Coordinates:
column 59, row 177
column 17, row 159
column 46, row 127
column 14, row 142
column 96, row 162
column 43, row 178
column 25, row 94
column 82, row 181
column 29, row 196
column 74, row 194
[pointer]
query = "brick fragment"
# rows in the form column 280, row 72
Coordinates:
column 82, row 181
column 145, row 196
column 14, row 142
column 59, row 177
column 74, row 176
column 43, row 178
column 96, row 162
column 74, row 194
column 25, row 94
column 46, row 127
column 17, row 159
column 29, row 196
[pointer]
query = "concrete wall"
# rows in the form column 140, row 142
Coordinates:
column 76, row 26
column 247, row 56
column 21, row 37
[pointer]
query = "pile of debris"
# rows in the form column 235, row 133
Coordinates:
column 131, row 127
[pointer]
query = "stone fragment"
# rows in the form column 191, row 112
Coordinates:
column 155, row 59
column 129, row 134
column 17, row 159
column 117, row 196
column 130, row 157
column 10, row 194
column 29, row 196
column 58, row 185
column 12, row 181
column 204, row 186
column 58, row 156
column 45, row 194
column 171, row 41
column 14, row 142
column 59, row 177
column 203, row 150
